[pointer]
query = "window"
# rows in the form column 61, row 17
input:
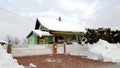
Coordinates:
column 59, row 39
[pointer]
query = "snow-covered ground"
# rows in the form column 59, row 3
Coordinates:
column 7, row 61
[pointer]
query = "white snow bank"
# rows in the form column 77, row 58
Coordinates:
column 7, row 61
column 102, row 50
column 106, row 51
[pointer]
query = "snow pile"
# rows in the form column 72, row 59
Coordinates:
column 7, row 60
column 105, row 51
column 102, row 50
column 31, row 65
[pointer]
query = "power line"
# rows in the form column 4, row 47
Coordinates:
column 16, row 9
column 14, row 13
column 13, row 5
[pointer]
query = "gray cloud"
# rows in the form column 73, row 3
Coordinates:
column 106, row 14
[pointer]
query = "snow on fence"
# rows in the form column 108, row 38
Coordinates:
column 76, row 49
column 29, row 50
column 98, row 51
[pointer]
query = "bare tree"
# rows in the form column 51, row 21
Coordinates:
column 12, row 40
column 25, row 41
column 16, row 41
column 9, row 39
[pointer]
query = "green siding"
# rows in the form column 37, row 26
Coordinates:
column 50, row 40
column 68, row 37
column 32, row 39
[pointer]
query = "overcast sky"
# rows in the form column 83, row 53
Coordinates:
column 17, row 17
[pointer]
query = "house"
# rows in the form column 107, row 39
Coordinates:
column 49, row 30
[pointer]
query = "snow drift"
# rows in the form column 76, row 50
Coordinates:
column 101, row 50
column 105, row 51
column 7, row 60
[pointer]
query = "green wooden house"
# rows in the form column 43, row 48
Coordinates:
column 48, row 31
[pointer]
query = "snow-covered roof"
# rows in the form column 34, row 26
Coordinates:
column 2, row 41
column 41, row 33
column 63, row 25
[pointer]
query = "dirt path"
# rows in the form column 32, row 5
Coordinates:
column 60, row 61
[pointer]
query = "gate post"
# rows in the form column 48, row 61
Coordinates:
column 9, row 48
column 54, row 48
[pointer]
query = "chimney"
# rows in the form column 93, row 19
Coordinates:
column 59, row 18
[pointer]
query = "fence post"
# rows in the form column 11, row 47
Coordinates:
column 9, row 48
column 64, row 47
